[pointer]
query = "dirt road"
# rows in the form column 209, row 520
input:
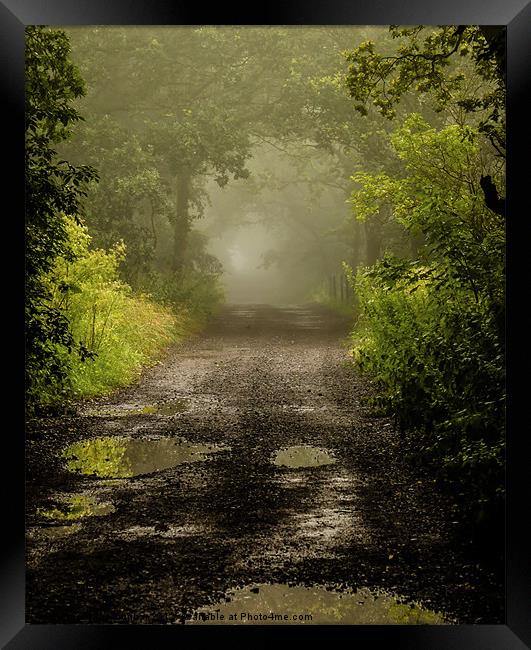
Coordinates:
column 204, row 504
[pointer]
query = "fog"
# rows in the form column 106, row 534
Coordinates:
column 225, row 156
column 246, row 278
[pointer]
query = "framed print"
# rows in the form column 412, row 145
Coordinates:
column 272, row 317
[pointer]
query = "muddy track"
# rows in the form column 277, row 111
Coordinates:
column 257, row 380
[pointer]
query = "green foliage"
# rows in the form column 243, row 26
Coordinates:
column 431, row 330
column 157, row 132
column 131, row 201
column 439, row 196
column 426, row 60
column 123, row 331
column 195, row 293
column 52, row 186
column 322, row 296
column 439, row 364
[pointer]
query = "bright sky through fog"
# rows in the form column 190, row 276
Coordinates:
column 237, row 259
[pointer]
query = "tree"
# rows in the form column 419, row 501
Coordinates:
column 54, row 187
column 197, row 103
column 178, row 95
column 131, row 201
column 426, row 60
column 439, row 195
column 432, row 329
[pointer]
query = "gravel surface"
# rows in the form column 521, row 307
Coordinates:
column 258, row 380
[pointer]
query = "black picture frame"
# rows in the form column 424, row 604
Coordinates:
column 516, row 16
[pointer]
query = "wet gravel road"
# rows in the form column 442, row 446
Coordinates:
column 257, row 380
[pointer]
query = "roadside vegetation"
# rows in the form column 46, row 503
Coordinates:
column 431, row 324
column 122, row 330
column 91, row 323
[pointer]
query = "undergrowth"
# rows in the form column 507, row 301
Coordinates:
column 119, row 331
column 438, row 365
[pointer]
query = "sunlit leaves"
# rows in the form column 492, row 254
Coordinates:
column 116, row 330
column 431, row 330
column 427, row 60
column 439, row 193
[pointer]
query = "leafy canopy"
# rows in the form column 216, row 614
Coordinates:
column 425, row 61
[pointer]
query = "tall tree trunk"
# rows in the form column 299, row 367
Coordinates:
column 182, row 222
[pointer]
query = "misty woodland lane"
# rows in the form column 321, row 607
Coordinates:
column 259, row 379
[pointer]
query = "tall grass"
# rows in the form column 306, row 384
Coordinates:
column 125, row 331
column 120, row 331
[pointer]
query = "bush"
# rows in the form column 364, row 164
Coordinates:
column 52, row 83
column 436, row 357
column 195, row 292
column 119, row 331
column 431, row 331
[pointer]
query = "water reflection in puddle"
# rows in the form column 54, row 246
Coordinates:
column 116, row 457
column 53, row 532
column 278, row 604
column 303, row 456
column 71, row 507
column 171, row 407
column 168, row 408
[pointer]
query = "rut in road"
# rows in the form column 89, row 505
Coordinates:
column 258, row 380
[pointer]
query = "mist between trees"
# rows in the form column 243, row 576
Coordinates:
column 171, row 168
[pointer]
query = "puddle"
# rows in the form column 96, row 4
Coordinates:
column 167, row 408
column 53, row 532
column 75, row 507
column 303, row 456
column 116, row 457
column 279, row 604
